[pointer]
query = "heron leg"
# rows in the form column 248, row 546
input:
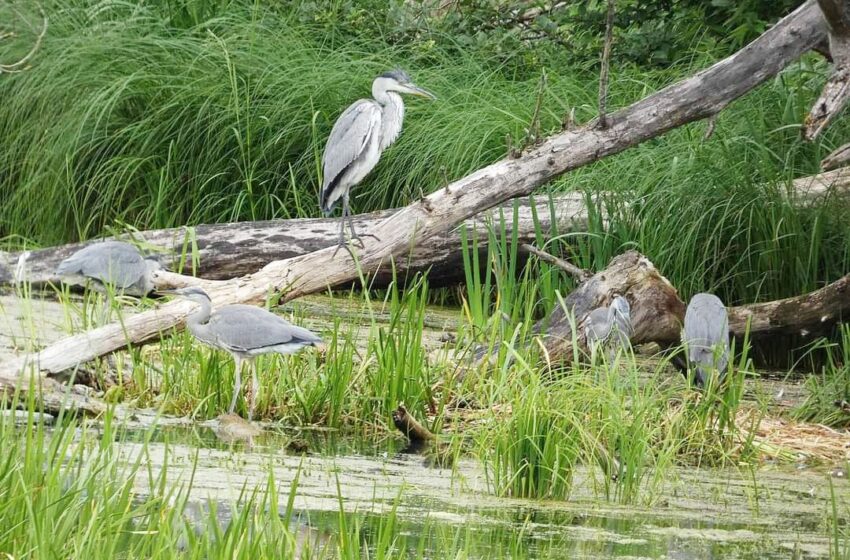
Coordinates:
column 255, row 390
column 237, row 384
column 354, row 235
column 341, row 242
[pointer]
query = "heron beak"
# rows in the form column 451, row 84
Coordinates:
column 422, row 92
column 166, row 292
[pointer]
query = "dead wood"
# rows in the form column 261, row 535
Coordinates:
column 20, row 64
column 836, row 91
column 812, row 313
column 693, row 98
column 578, row 273
column 656, row 310
column 837, row 158
column 225, row 251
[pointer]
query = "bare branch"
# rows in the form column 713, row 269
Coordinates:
column 838, row 158
column 606, row 61
column 579, row 273
column 836, row 91
column 19, row 65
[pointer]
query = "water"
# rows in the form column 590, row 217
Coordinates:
column 443, row 513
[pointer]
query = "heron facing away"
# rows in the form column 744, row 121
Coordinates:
column 359, row 136
column 706, row 337
column 112, row 263
column 245, row 332
column 607, row 325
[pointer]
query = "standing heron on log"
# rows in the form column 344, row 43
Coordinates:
column 706, row 338
column 245, row 332
column 359, row 136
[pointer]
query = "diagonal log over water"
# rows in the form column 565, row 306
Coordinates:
column 696, row 97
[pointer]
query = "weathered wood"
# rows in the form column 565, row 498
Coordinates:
column 21, row 64
column 693, row 98
column 836, row 91
column 839, row 157
column 226, row 251
column 656, row 310
column 810, row 313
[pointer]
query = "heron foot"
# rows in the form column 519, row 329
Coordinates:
column 359, row 238
column 347, row 247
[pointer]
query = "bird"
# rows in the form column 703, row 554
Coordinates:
column 705, row 336
column 603, row 322
column 245, row 332
column 114, row 264
column 359, row 136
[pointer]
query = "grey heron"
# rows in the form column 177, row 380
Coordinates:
column 359, row 136
column 706, row 337
column 245, row 332
column 605, row 324
column 112, row 263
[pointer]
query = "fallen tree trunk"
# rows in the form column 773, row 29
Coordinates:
column 657, row 312
column 696, row 97
column 226, row 251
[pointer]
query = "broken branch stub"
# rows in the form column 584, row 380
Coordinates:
column 836, row 91
column 20, row 64
column 693, row 98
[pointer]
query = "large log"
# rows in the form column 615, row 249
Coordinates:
column 657, row 312
column 225, row 251
column 693, row 98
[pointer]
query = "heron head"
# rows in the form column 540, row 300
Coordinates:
column 399, row 81
column 191, row 293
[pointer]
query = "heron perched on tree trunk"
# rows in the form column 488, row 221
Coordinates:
column 359, row 136
column 245, row 332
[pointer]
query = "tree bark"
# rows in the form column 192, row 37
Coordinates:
column 836, row 91
column 803, row 315
column 691, row 99
column 657, row 312
column 226, row 251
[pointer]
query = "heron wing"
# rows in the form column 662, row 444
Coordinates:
column 348, row 140
column 110, row 262
column 598, row 325
column 243, row 328
column 706, row 331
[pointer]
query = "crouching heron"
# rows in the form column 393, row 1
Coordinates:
column 610, row 326
column 359, row 136
column 705, row 336
column 114, row 264
column 245, row 332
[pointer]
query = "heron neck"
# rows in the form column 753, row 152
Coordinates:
column 198, row 320
column 392, row 116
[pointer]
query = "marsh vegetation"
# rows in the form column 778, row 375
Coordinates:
column 173, row 113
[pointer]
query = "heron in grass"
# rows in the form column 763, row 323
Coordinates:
column 359, row 136
column 706, row 338
column 245, row 332
column 610, row 325
column 114, row 264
